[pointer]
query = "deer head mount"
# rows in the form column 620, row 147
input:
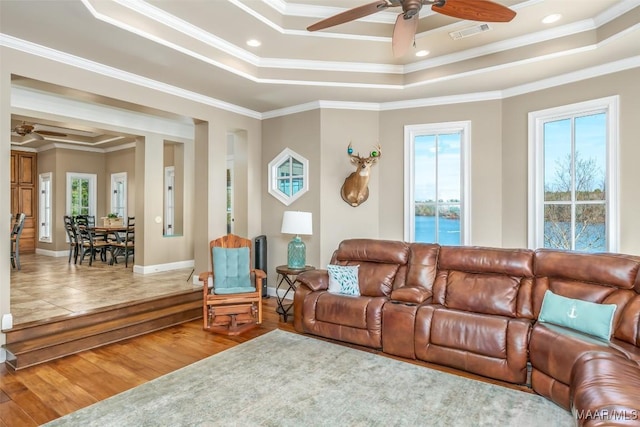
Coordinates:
column 355, row 190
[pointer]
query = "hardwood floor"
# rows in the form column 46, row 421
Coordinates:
column 47, row 287
column 39, row 394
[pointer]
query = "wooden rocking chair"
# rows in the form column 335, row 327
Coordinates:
column 233, row 304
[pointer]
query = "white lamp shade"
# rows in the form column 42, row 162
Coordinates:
column 296, row 222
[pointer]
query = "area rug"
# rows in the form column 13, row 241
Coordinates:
column 285, row 379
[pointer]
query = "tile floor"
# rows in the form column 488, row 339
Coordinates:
column 46, row 286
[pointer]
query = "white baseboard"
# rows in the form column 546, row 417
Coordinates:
column 147, row 269
column 3, row 355
column 56, row 254
column 159, row 268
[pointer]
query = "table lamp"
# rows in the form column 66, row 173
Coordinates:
column 296, row 222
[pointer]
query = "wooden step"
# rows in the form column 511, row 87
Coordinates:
column 37, row 342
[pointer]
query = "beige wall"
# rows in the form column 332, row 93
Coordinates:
column 498, row 166
column 514, row 151
column 339, row 220
column 301, row 133
column 60, row 162
column 486, row 177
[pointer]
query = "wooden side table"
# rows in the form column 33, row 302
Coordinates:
column 287, row 278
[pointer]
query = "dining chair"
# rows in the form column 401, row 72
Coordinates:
column 73, row 238
column 88, row 244
column 16, row 232
column 125, row 244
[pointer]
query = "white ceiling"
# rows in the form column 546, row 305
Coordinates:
column 199, row 46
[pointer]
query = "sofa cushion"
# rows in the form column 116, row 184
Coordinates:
column 584, row 316
column 489, row 345
column 482, row 293
column 231, row 271
column 347, row 311
column 485, row 280
column 343, row 279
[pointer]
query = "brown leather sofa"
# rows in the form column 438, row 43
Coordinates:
column 476, row 309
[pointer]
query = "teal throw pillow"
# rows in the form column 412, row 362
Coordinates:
column 231, row 271
column 343, row 279
column 584, row 316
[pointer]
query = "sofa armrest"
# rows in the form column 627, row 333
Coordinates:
column 604, row 390
column 316, row 280
column 413, row 294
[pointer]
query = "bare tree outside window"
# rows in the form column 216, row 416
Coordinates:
column 575, row 214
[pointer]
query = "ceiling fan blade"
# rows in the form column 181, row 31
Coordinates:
column 350, row 15
column 403, row 34
column 475, row 10
column 49, row 133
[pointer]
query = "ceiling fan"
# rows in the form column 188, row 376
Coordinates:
column 26, row 129
column 407, row 22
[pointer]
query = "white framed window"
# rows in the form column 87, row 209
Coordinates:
column 44, row 209
column 119, row 194
column 81, row 193
column 169, row 200
column 437, row 185
column 573, row 180
column 288, row 176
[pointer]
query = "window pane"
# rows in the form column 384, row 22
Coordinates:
column 284, row 169
column 449, row 225
column 449, row 167
column 296, row 185
column 297, row 168
column 557, row 226
column 284, row 185
column 557, row 160
column 425, row 168
column 590, row 227
column 591, row 155
column 438, row 188
column 425, row 231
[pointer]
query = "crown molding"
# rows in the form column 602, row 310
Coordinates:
column 587, row 73
column 105, row 70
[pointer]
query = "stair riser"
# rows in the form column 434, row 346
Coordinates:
column 28, row 332
column 21, row 361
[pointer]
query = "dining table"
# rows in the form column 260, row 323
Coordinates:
column 109, row 232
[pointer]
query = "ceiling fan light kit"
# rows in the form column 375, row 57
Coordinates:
column 404, row 30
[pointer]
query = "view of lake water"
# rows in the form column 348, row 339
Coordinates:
column 449, row 230
column 450, row 233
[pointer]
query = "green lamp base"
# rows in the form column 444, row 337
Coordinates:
column 296, row 256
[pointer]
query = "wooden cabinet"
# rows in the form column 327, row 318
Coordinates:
column 24, row 196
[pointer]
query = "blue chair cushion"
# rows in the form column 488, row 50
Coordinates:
column 231, row 271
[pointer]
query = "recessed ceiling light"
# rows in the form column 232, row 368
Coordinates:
column 422, row 53
column 550, row 19
column 254, row 42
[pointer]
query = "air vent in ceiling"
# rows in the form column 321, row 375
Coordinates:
column 469, row 31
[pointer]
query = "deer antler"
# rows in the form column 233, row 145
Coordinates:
column 377, row 152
